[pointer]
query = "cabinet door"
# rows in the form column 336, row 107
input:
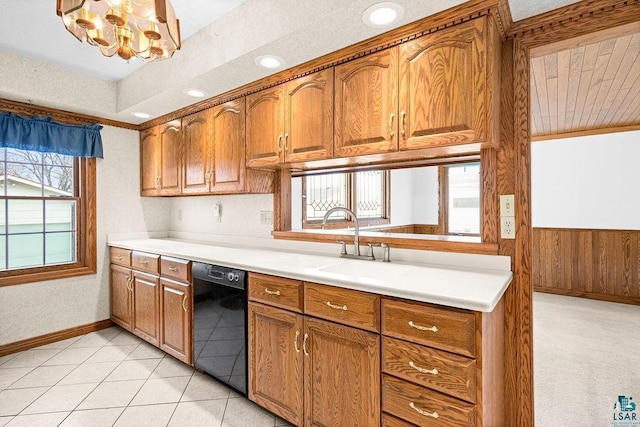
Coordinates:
column 443, row 88
column 121, row 288
column 170, row 158
column 366, row 104
column 265, row 131
column 275, row 361
column 309, row 117
column 149, row 180
column 175, row 319
column 146, row 306
column 228, row 151
column 196, row 133
column 342, row 375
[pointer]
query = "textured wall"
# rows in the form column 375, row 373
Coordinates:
column 240, row 215
column 586, row 182
column 26, row 80
column 34, row 309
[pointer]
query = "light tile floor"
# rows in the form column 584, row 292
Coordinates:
column 113, row 378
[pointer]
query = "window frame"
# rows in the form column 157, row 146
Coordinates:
column 351, row 202
column 443, row 209
column 86, row 235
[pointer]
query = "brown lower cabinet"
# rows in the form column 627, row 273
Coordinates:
column 327, row 356
column 151, row 297
column 306, row 370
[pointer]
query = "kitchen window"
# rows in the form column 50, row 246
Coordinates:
column 462, row 187
column 47, row 198
column 366, row 193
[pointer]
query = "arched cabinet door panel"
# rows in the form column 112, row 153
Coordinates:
column 309, row 117
column 228, row 172
column 265, row 130
column 196, row 133
column 366, row 105
column 443, row 88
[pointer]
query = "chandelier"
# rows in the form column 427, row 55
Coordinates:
column 146, row 29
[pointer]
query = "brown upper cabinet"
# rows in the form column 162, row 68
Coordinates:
column 291, row 122
column 444, row 87
column 366, row 105
column 214, row 150
column 208, row 155
column 433, row 91
column 160, row 164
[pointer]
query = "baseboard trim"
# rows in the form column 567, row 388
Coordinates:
column 54, row 337
column 589, row 295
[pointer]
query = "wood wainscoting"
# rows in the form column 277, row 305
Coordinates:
column 53, row 337
column 596, row 264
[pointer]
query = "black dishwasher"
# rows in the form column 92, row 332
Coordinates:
column 220, row 323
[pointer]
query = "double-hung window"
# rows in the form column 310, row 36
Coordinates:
column 47, row 213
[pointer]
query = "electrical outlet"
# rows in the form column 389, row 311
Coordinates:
column 507, row 205
column 507, row 227
column 266, row 217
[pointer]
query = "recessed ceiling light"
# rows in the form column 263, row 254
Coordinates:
column 196, row 93
column 269, row 61
column 383, row 14
column 141, row 115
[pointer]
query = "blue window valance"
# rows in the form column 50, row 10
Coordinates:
column 44, row 135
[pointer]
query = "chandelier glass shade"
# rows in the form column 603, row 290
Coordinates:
column 145, row 29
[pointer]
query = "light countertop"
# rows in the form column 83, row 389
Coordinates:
column 454, row 286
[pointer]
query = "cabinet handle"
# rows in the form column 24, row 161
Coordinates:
column 304, row 344
column 130, row 284
column 184, row 302
column 337, row 307
column 403, row 116
column 422, row 412
column 433, row 371
column 206, row 176
column 391, row 132
column 210, row 175
column 119, row 257
column 286, row 138
column 174, row 269
column 144, row 262
column 279, row 140
column 270, row 292
column 295, row 342
column 423, row 328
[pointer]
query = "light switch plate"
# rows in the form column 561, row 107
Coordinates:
column 507, row 205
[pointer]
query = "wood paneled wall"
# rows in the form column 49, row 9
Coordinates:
column 598, row 264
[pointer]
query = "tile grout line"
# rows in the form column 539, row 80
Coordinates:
column 76, row 367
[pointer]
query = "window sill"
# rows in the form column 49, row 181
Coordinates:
column 19, row 277
column 427, row 242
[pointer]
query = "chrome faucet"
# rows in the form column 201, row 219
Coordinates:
column 356, row 238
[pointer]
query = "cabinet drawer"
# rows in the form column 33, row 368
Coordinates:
column 276, row 291
column 175, row 268
column 446, row 329
column 422, row 406
column 354, row 308
column 439, row 370
column 145, row 262
column 120, row 256
column 391, row 421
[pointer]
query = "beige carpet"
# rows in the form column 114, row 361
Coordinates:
column 586, row 355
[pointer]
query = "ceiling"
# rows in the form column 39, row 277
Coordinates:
column 585, row 85
column 220, row 41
